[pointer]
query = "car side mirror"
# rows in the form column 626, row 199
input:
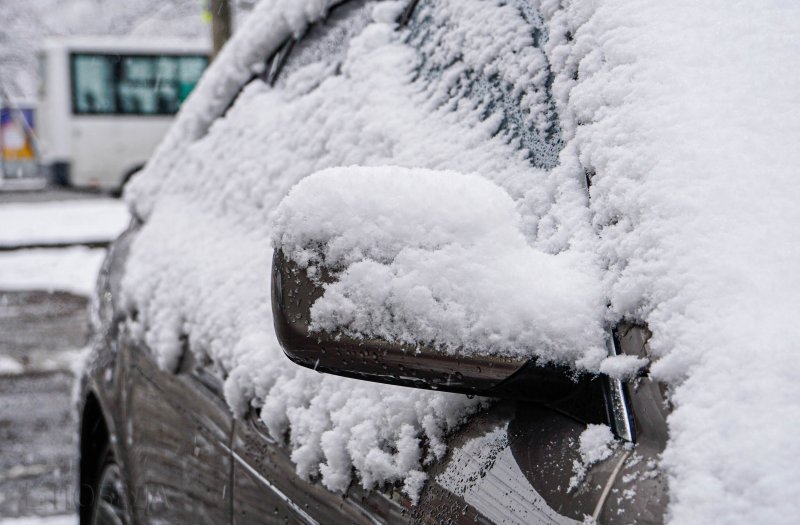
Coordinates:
column 384, row 361
column 297, row 285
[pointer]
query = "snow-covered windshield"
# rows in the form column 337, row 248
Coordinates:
column 688, row 224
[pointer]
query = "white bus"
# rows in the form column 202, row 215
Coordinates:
column 106, row 102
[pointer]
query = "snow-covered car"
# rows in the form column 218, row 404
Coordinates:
column 485, row 231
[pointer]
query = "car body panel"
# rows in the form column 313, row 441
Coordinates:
column 268, row 489
column 178, row 446
column 170, row 432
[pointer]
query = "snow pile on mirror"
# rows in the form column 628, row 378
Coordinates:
column 437, row 258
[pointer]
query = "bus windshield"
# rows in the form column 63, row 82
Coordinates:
column 112, row 84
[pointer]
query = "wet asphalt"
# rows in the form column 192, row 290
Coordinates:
column 44, row 334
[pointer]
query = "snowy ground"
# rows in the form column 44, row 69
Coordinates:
column 77, row 221
column 37, row 520
column 43, row 331
column 40, row 336
column 39, row 224
column 69, row 269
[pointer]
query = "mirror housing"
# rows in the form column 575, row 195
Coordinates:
column 383, row 361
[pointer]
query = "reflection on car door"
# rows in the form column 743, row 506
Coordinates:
column 267, row 489
column 179, row 455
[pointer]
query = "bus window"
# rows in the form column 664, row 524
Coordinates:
column 166, row 93
column 134, row 84
column 150, row 85
column 136, row 88
column 191, row 68
column 93, row 84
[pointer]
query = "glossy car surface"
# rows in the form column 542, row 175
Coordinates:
column 181, row 456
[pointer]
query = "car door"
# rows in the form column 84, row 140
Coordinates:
column 178, row 431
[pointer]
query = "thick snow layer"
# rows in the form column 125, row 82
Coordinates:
column 200, row 266
column 683, row 119
column 62, row 222
column 240, row 59
column 437, row 257
column 68, row 269
column 686, row 118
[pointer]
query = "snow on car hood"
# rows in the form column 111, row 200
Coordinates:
column 681, row 117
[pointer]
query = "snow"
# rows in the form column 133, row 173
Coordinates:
column 69, row 269
column 239, row 59
column 61, row 222
column 10, row 366
column 595, row 444
column 682, row 117
column 688, row 119
column 437, row 257
column 200, row 265
column 40, row 520
column 43, row 361
column 622, row 366
column 73, row 269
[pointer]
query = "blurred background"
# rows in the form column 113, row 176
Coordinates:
column 87, row 90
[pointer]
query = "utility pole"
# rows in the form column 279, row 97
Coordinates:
column 220, row 24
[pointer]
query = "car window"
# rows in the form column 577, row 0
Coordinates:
column 157, row 84
column 324, row 45
column 510, row 91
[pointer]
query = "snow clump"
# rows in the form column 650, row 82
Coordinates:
column 595, row 444
column 438, row 258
